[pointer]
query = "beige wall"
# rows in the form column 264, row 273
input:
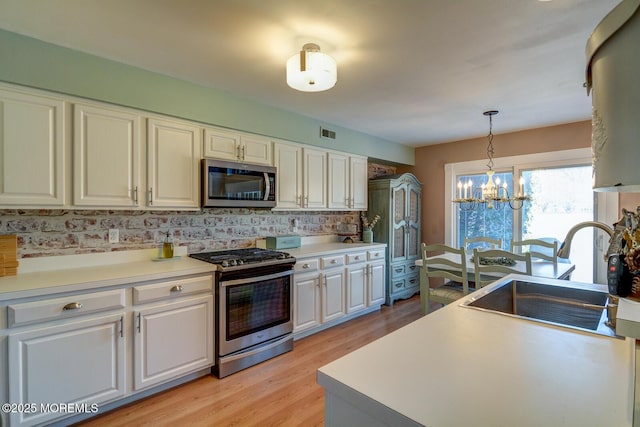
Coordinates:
column 430, row 161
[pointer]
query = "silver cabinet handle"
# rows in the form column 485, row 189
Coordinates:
column 299, row 200
column 306, row 202
column 243, row 148
column 306, row 266
column 121, row 326
column 333, row 261
column 177, row 288
column 139, row 321
column 72, row 306
column 151, row 196
column 135, row 195
column 357, row 257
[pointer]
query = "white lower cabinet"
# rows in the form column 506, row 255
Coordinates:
column 337, row 287
column 172, row 339
column 85, row 350
column 79, row 362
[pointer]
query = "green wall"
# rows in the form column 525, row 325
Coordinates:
column 30, row 62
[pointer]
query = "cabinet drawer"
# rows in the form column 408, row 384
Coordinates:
column 397, row 270
column 172, row 289
column 375, row 254
column 65, row 307
column 332, row 261
column 356, row 258
column 411, row 268
column 306, row 265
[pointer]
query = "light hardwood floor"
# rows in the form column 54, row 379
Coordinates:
column 279, row 392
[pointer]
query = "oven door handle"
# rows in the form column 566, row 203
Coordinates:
column 255, row 279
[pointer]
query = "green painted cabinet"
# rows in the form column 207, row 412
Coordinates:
column 397, row 199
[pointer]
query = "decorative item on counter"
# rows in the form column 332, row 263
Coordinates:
column 367, row 227
column 167, row 247
column 631, row 252
column 348, row 231
column 8, row 255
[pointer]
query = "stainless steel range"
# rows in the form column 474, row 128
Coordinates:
column 254, row 291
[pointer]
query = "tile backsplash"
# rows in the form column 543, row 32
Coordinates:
column 66, row 232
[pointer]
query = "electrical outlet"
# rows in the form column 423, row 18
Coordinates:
column 114, row 235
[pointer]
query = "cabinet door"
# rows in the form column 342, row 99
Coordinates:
column 78, row 362
column 413, row 221
column 399, row 245
column 339, row 197
column 174, row 151
column 333, row 306
column 375, row 284
column 288, row 161
column 256, row 149
column 221, row 144
column 32, row 150
column 306, row 302
column 356, row 288
column 106, row 157
column 315, row 179
column 172, row 340
column 358, row 168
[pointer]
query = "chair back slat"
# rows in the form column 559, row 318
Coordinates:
column 482, row 242
column 536, row 247
column 481, row 270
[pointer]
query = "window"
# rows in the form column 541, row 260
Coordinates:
column 560, row 184
column 495, row 223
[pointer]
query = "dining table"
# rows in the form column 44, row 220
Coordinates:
column 539, row 268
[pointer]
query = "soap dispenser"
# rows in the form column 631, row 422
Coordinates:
column 167, row 247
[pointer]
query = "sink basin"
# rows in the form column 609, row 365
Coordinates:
column 527, row 298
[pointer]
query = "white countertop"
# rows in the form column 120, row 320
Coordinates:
column 320, row 249
column 117, row 270
column 465, row 367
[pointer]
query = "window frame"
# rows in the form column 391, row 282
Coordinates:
column 606, row 204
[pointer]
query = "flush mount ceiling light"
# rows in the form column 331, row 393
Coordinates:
column 311, row 70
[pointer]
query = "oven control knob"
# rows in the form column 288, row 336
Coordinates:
column 233, row 262
column 225, row 263
column 240, row 262
column 282, row 256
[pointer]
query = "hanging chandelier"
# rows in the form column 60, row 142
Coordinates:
column 492, row 193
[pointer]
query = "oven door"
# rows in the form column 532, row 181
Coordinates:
column 254, row 310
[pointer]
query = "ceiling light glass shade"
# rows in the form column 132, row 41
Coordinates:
column 311, row 70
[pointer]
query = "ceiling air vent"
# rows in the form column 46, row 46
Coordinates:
column 327, row 134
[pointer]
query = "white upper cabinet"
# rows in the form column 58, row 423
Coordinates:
column 174, row 149
column 315, row 179
column 106, row 157
column 359, row 174
column 301, row 181
column 237, row 146
column 32, row 150
column 288, row 163
column 347, row 182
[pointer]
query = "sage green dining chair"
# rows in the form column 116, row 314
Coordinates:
column 482, row 242
column 490, row 265
column 543, row 249
column 446, row 262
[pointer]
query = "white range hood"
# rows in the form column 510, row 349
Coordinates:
column 613, row 75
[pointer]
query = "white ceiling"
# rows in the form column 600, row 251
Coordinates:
column 416, row 72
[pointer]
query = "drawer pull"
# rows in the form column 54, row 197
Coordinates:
column 376, row 254
column 177, row 288
column 357, row 257
column 412, row 267
column 398, row 270
column 72, row 306
column 306, row 266
column 333, row 261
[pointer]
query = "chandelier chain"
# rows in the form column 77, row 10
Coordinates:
column 490, row 145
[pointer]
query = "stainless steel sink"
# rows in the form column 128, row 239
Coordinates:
column 549, row 302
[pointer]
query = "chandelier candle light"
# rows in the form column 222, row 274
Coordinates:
column 491, row 193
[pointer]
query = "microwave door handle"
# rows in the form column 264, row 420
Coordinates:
column 267, row 186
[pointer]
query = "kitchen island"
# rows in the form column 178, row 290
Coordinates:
column 466, row 367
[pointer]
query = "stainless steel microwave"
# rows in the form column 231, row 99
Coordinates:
column 231, row 184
